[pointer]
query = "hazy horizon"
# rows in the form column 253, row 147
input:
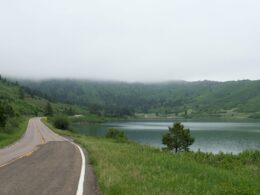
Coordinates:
column 135, row 41
column 17, row 78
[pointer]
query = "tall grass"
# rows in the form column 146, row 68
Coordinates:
column 129, row 168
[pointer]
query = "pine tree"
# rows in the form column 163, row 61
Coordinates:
column 3, row 117
column 48, row 109
column 21, row 93
column 178, row 138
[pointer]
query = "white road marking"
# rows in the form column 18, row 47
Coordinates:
column 80, row 189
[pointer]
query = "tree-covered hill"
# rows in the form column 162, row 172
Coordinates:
column 19, row 102
column 177, row 97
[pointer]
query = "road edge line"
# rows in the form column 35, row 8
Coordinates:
column 80, row 188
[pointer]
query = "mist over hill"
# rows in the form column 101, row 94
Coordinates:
column 177, row 97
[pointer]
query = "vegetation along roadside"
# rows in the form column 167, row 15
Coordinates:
column 125, row 167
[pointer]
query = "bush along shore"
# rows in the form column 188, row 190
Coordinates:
column 125, row 167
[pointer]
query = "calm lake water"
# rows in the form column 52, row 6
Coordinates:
column 209, row 136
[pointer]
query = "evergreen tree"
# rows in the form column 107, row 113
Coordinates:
column 21, row 93
column 178, row 138
column 3, row 117
column 48, row 109
column 69, row 111
column 61, row 122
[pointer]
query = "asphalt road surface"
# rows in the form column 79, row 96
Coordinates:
column 37, row 133
column 42, row 162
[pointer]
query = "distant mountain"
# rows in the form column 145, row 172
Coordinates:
column 177, row 97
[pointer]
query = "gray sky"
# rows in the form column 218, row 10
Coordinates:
column 134, row 40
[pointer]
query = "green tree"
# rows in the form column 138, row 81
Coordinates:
column 21, row 93
column 69, row 111
column 96, row 109
column 3, row 117
column 178, row 138
column 61, row 122
column 48, row 109
column 6, row 112
column 116, row 134
column 9, row 111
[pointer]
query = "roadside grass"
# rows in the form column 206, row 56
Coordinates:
column 131, row 168
column 14, row 135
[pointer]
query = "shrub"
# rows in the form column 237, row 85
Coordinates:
column 12, row 124
column 116, row 134
column 61, row 122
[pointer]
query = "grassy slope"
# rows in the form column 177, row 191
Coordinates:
column 10, row 94
column 29, row 105
column 24, row 108
column 9, row 138
column 130, row 168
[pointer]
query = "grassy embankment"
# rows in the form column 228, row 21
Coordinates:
column 17, row 105
column 131, row 168
column 7, row 138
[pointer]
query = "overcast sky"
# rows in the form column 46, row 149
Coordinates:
column 134, row 40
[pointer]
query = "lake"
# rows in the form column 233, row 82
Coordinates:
column 209, row 136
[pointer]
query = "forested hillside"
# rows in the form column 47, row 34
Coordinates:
column 178, row 97
column 19, row 102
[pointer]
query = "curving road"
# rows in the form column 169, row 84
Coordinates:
column 42, row 162
column 36, row 134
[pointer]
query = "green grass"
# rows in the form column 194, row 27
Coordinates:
column 15, row 134
column 131, row 168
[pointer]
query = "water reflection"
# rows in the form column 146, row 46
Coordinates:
column 209, row 136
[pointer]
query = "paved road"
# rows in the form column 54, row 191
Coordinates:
column 42, row 162
column 53, row 169
column 37, row 133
